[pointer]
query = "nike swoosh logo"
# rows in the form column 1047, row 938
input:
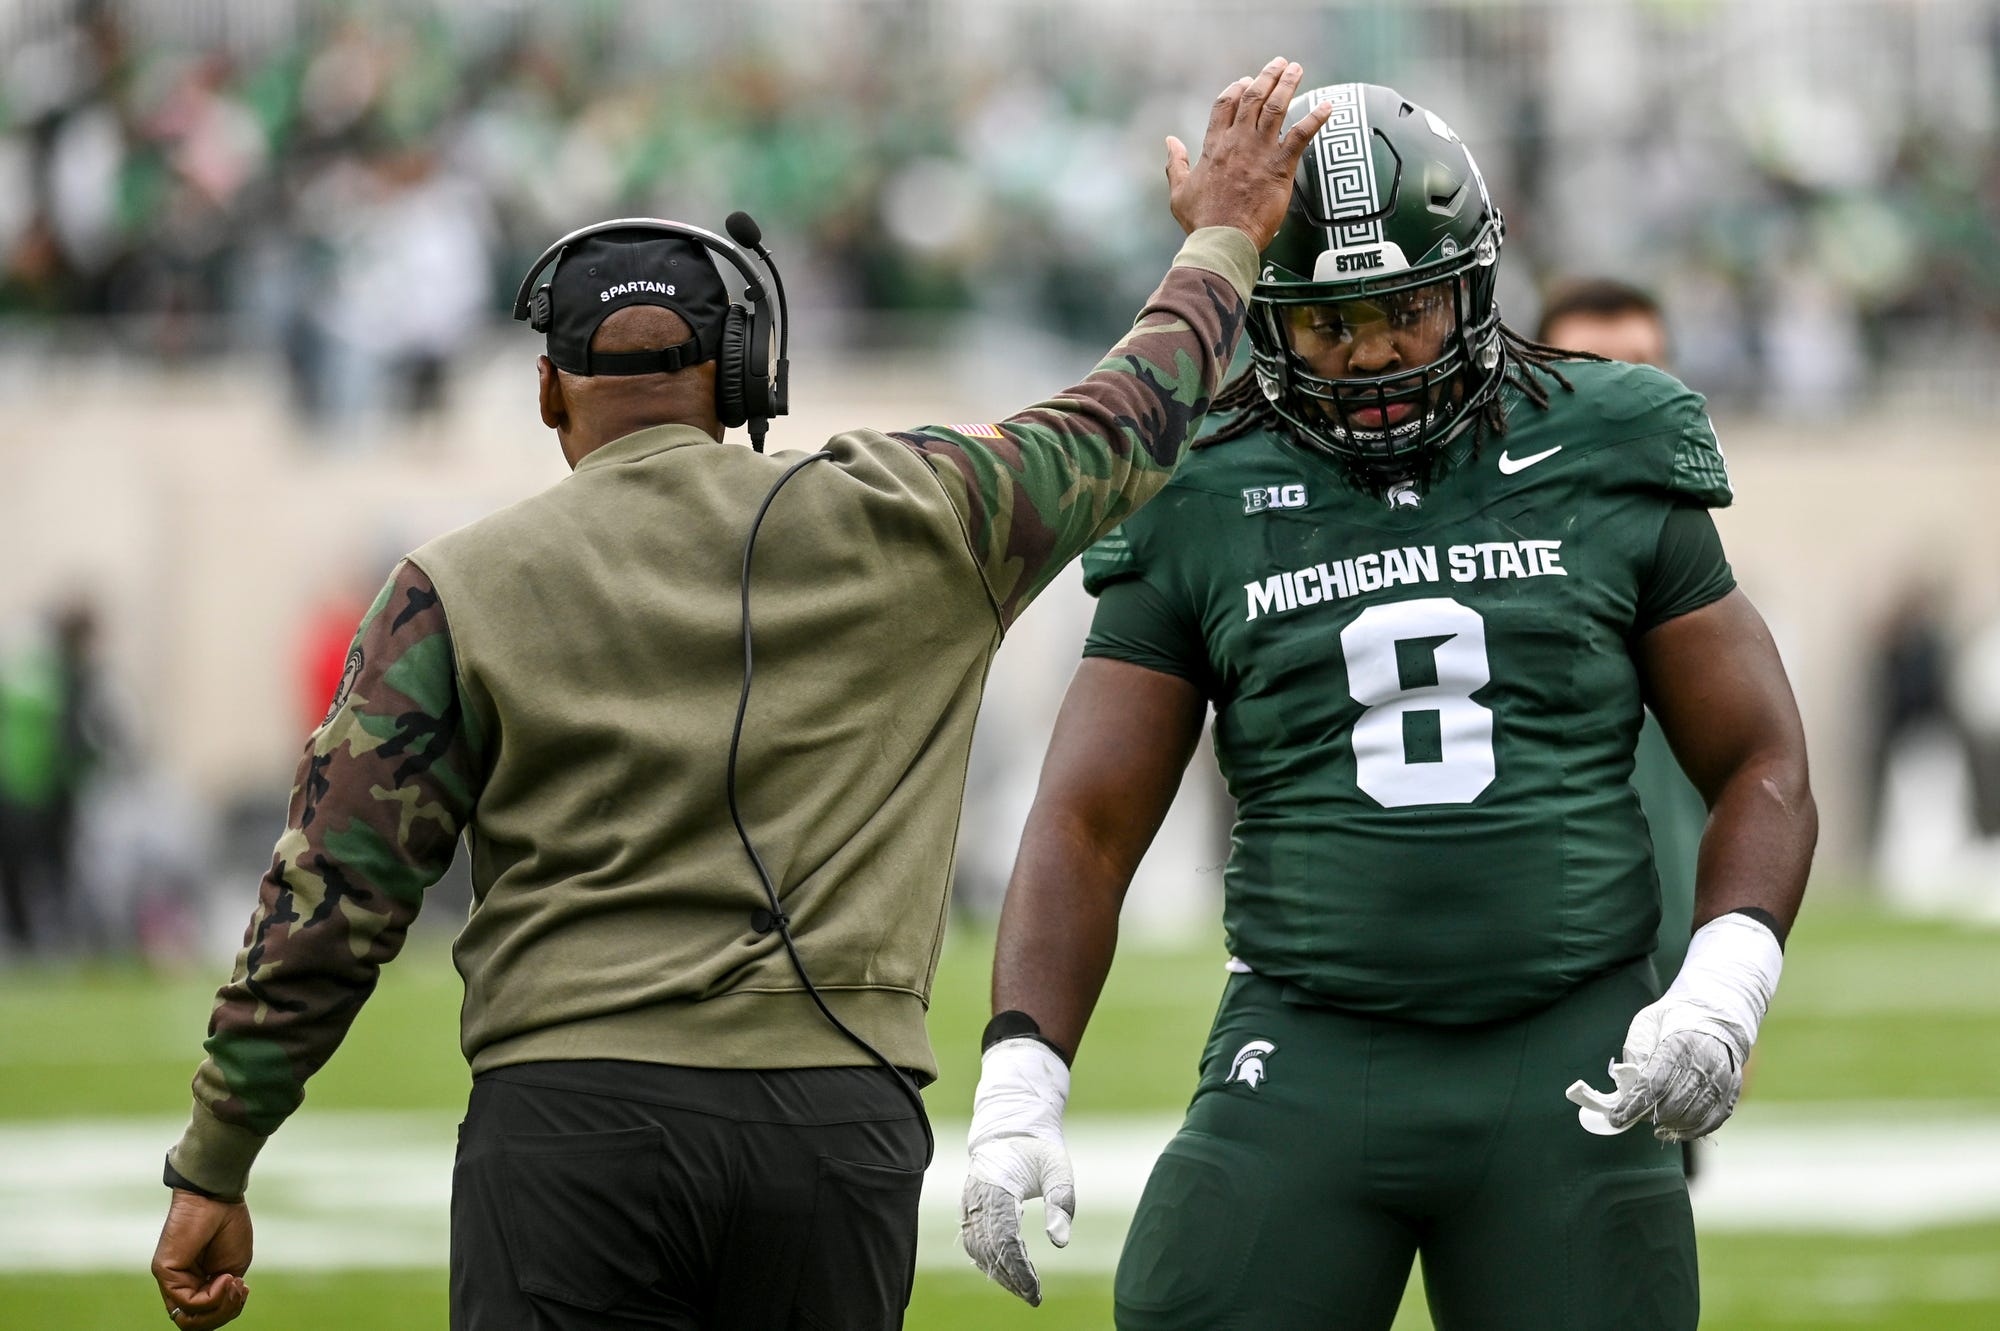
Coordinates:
column 1508, row 466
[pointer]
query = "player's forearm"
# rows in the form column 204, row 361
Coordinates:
column 1058, row 929
column 1758, row 847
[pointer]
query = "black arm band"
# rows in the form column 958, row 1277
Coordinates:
column 1014, row 1024
column 173, row 1178
column 1765, row 918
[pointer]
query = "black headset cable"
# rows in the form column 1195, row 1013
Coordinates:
column 779, row 920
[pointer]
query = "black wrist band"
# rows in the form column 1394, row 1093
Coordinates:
column 173, row 1178
column 1013, row 1024
column 1765, row 918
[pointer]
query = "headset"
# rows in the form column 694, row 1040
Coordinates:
column 750, row 386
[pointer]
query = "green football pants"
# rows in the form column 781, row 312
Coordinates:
column 1324, row 1151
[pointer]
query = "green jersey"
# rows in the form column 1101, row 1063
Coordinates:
column 1426, row 713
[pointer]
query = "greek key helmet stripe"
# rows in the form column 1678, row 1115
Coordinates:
column 1346, row 167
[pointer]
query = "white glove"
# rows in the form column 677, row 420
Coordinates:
column 1017, row 1152
column 1684, row 1055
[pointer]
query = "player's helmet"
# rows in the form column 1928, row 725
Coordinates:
column 1389, row 218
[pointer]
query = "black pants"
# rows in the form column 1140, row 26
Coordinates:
column 616, row 1196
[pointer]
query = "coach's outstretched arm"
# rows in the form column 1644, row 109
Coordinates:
column 1036, row 489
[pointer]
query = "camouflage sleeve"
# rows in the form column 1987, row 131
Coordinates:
column 383, row 788
column 1034, row 490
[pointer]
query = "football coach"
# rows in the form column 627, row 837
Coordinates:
column 702, row 717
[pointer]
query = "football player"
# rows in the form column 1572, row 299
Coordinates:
column 1427, row 575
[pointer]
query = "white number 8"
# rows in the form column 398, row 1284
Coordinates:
column 1453, row 637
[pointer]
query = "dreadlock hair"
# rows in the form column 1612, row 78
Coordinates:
column 1526, row 362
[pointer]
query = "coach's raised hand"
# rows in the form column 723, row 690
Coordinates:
column 1244, row 177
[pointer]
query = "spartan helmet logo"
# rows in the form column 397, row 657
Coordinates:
column 1248, row 1066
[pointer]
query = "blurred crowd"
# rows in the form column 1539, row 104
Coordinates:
column 358, row 185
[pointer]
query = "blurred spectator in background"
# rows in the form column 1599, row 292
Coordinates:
column 144, row 857
column 1909, row 689
column 1932, row 762
column 1976, row 691
column 51, row 737
column 1607, row 318
column 406, row 279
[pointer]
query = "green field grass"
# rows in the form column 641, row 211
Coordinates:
column 1938, row 1280
column 1872, row 1010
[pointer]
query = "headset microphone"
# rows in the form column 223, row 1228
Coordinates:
column 743, row 229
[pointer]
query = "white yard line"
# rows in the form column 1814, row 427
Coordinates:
column 346, row 1190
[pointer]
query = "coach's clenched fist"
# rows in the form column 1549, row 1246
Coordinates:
column 203, row 1253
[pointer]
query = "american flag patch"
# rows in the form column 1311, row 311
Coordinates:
column 977, row 431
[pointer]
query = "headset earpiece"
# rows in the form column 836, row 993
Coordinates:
column 758, row 396
column 732, row 368
column 541, row 309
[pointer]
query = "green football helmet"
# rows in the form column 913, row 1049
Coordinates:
column 1390, row 228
